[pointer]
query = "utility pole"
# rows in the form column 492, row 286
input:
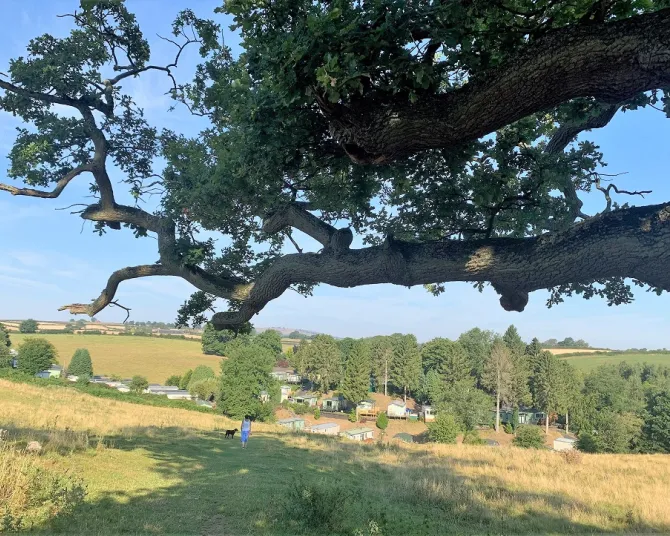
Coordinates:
column 386, row 372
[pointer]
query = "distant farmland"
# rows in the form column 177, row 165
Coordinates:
column 152, row 357
column 589, row 362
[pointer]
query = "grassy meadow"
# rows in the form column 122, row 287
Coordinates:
column 162, row 471
column 587, row 362
column 152, row 357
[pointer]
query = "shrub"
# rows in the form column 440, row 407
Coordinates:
column 138, row 384
column 28, row 326
column 299, row 409
column 508, row 428
column 33, row 495
column 572, row 456
column 352, row 416
column 36, row 355
column 4, row 336
column 201, row 372
column 588, row 443
column 185, row 379
column 471, row 437
column 83, row 379
column 208, row 389
column 444, row 429
column 317, row 414
column 529, row 437
column 5, row 355
column 81, row 364
column 173, row 380
column 382, row 421
column 318, row 507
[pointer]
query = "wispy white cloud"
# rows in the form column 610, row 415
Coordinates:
column 31, row 283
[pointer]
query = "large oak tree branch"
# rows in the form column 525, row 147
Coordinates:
column 107, row 295
column 53, row 194
column 608, row 61
column 633, row 243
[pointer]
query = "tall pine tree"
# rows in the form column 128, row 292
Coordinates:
column 323, row 358
column 519, row 389
column 498, row 377
column 381, row 357
column 356, row 381
column 4, row 336
column 548, row 385
column 406, row 369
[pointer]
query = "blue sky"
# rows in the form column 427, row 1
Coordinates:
column 48, row 259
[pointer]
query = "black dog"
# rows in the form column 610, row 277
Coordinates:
column 231, row 433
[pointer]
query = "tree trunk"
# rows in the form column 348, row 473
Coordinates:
column 546, row 423
column 567, row 421
column 386, row 376
column 405, row 395
column 498, row 409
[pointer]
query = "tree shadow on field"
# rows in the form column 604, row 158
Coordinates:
column 200, row 483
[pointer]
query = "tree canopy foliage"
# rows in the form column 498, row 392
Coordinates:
column 81, row 363
column 443, row 136
column 36, row 355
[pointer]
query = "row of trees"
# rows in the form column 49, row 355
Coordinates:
column 568, row 342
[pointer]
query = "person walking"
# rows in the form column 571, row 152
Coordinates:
column 245, row 431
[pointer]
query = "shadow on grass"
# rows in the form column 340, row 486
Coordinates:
column 201, row 483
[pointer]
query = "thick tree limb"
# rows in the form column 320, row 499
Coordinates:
column 107, row 295
column 295, row 216
column 633, row 243
column 608, row 61
column 53, row 194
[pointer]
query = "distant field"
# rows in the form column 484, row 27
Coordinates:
column 561, row 351
column 589, row 362
column 152, row 357
column 289, row 343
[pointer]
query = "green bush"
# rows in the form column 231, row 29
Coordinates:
column 201, row 372
column 185, row 379
column 529, row 437
column 28, row 326
column 37, row 495
column 317, row 413
column 587, row 442
column 317, row 507
column 4, row 336
column 382, row 421
column 299, row 409
column 206, row 389
column 352, row 416
column 173, row 380
column 83, row 379
column 81, row 364
column 508, row 428
column 444, row 429
column 138, row 384
column 471, row 437
column 36, row 355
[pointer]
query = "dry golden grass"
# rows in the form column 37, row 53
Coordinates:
column 152, row 357
column 39, row 408
column 156, row 466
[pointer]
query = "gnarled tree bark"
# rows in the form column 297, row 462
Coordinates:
column 627, row 243
column 608, row 61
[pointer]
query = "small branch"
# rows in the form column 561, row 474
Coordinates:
column 53, row 194
column 126, row 309
column 295, row 244
column 608, row 197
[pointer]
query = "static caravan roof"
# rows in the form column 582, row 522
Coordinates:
column 325, row 426
column 398, row 403
column 357, row 431
column 290, row 420
column 305, row 395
